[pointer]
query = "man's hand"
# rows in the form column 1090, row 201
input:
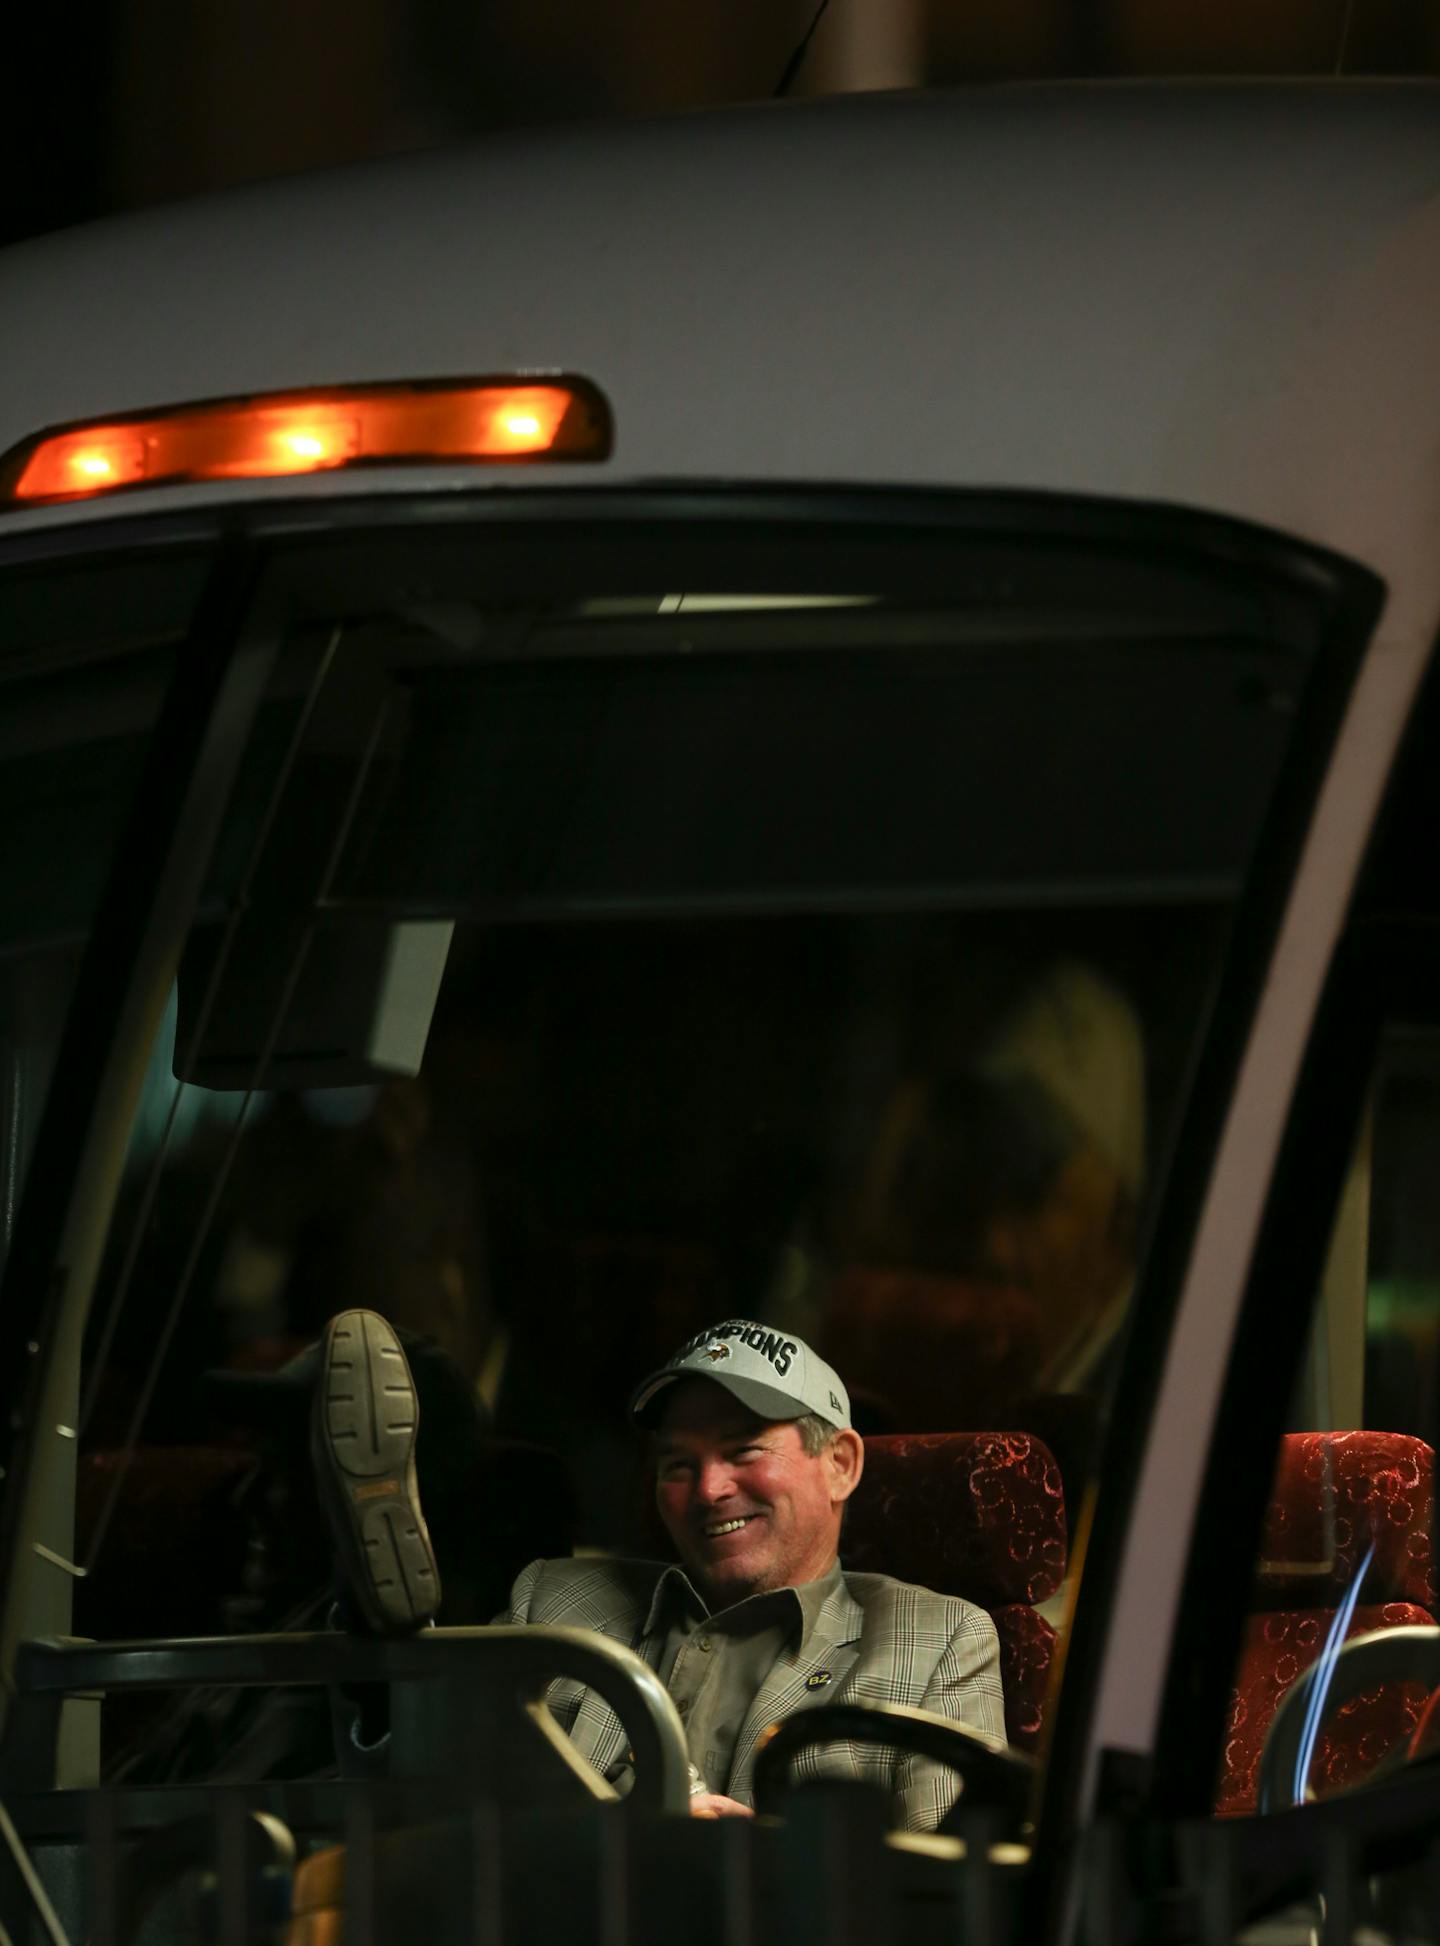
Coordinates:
column 710, row 1804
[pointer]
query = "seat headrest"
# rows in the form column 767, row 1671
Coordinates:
column 1336, row 1496
column 978, row 1514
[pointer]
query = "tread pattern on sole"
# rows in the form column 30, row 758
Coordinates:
column 375, row 1419
column 402, row 1572
column 368, row 1416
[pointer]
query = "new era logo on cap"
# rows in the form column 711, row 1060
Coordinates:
column 772, row 1373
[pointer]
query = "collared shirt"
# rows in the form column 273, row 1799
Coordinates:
column 713, row 1662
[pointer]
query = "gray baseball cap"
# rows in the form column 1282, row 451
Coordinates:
column 771, row 1372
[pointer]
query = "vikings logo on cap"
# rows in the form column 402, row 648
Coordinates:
column 715, row 1351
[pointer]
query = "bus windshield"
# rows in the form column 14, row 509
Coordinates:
column 623, row 923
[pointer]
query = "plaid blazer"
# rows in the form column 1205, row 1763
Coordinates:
column 881, row 1641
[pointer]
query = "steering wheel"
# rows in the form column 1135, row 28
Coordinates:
column 993, row 1777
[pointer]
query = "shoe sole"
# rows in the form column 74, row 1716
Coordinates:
column 367, row 1417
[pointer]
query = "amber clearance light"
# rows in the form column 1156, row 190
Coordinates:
column 480, row 420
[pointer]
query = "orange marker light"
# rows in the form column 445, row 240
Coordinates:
column 99, row 460
column 303, row 445
column 478, row 421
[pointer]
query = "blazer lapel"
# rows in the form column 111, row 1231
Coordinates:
column 831, row 1649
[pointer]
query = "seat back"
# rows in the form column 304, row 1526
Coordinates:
column 980, row 1515
column 930, row 1349
column 1346, row 1550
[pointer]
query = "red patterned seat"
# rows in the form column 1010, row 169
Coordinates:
column 1345, row 1504
column 1425, row 1742
column 975, row 1514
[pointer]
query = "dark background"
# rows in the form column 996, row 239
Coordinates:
column 119, row 103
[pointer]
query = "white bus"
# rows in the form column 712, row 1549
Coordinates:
column 819, row 713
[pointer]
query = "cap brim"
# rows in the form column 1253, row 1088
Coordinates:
column 763, row 1400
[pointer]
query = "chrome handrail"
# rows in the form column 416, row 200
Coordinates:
column 518, row 1661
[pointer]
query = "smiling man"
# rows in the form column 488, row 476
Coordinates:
column 755, row 1458
column 750, row 1505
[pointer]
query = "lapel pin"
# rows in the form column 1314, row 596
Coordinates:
column 818, row 1680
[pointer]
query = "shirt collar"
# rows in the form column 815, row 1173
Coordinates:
column 675, row 1594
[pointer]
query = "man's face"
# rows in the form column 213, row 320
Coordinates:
column 746, row 1506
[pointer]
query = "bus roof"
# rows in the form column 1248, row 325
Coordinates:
column 1220, row 295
